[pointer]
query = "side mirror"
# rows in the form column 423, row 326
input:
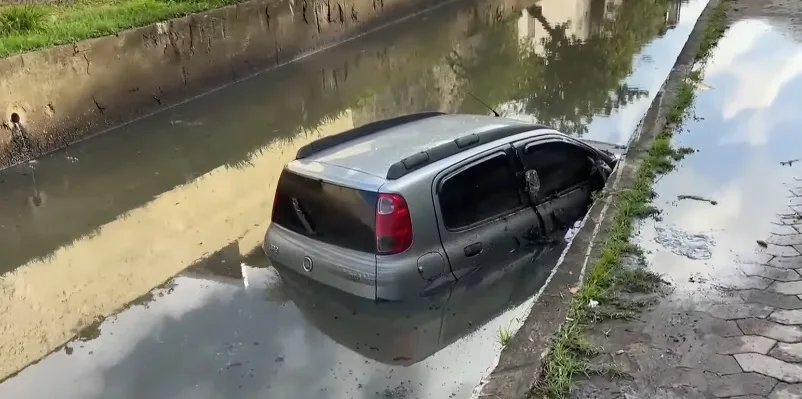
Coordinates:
column 532, row 183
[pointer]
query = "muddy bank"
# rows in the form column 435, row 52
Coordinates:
column 66, row 93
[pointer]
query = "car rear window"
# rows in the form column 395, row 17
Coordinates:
column 327, row 212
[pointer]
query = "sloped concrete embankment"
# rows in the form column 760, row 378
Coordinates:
column 66, row 93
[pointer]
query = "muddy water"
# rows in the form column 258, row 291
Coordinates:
column 746, row 125
column 89, row 229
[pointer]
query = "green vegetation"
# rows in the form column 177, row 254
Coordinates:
column 504, row 336
column 21, row 19
column 608, row 277
column 30, row 27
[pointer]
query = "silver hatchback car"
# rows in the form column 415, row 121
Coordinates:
column 396, row 208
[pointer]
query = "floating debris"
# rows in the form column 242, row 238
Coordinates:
column 692, row 246
column 696, row 198
column 762, row 243
column 789, row 162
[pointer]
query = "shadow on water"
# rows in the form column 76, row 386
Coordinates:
column 225, row 329
column 551, row 63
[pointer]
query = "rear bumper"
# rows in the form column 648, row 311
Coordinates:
column 346, row 270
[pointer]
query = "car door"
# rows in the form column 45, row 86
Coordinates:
column 566, row 178
column 483, row 216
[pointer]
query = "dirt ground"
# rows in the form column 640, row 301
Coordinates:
column 740, row 340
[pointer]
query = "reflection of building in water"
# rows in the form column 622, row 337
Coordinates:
column 580, row 18
column 673, row 13
column 573, row 14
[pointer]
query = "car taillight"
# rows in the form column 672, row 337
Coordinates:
column 393, row 225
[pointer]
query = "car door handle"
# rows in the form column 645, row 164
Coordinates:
column 473, row 249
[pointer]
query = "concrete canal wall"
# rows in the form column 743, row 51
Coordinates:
column 66, row 93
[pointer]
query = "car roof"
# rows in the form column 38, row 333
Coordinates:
column 375, row 153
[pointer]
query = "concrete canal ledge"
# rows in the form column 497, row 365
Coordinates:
column 66, row 93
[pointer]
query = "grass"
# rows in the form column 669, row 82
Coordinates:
column 504, row 336
column 30, row 27
column 608, row 276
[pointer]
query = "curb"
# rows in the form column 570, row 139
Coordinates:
column 521, row 362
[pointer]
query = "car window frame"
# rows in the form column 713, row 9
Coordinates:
column 514, row 165
column 524, row 145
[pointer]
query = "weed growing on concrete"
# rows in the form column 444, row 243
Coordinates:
column 609, row 276
column 504, row 336
column 714, row 30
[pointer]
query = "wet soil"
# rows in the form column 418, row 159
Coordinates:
column 731, row 324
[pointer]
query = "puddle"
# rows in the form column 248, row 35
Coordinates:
column 747, row 123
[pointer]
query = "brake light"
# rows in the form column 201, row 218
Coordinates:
column 393, row 225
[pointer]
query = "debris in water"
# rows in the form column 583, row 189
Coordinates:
column 789, row 162
column 593, row 303
column 692, row 246
column 571, row 233
column 762, row 243
column 696, row 198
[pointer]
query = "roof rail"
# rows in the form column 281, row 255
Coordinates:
column 445, row 150
column 359, row 132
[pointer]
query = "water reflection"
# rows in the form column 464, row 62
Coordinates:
column 569, row 63
column 137, row 205
column 746, row 124
column 208, row 335
column 408, row 333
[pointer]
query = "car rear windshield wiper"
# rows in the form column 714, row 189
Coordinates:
column 302, row 216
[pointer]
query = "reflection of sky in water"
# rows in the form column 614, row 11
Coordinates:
column 749, row 120
column 209, row 339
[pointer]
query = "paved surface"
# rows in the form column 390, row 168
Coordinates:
column 86, row 230
column 731, row 324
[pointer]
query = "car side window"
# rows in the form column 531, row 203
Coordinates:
column 559, row 166
column 484, row 190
